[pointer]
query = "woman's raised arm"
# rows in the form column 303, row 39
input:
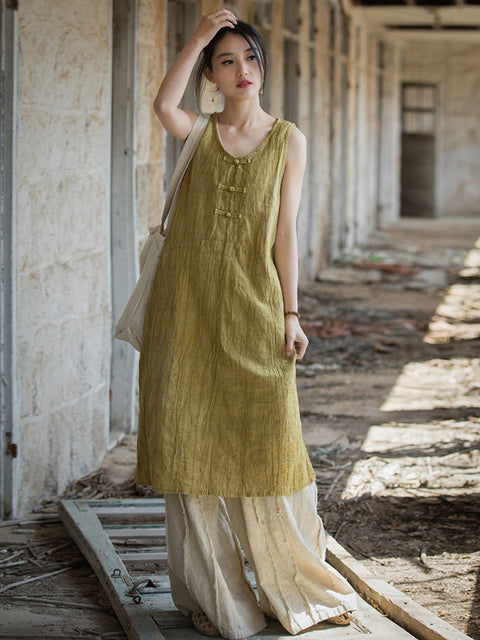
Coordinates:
column 177, row 121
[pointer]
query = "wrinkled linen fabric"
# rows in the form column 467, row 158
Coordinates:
column 283, row 540
column 218, row 401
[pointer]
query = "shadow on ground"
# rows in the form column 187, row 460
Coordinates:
column 390, row 398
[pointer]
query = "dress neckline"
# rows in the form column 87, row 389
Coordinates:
column 248, row 155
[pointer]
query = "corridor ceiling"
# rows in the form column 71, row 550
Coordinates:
column 423, row 15
column 416, row 3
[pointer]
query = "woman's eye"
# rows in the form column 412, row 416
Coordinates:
column 252, row 57
column 227, row 61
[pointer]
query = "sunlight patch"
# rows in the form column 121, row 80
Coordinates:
column 436, row 383
column 415, row 459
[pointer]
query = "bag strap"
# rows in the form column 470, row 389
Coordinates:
column 189, row 148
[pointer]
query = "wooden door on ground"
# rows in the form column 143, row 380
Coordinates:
column 418, row 150
column 124, row 542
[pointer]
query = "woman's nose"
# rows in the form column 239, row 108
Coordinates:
column 242, row 70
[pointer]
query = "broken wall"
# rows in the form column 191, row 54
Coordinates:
column 455, row 67
column 63, row 241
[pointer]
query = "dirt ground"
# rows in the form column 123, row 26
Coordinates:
column 390, row 400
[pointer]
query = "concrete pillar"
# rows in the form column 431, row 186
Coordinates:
column 151, row 59
column 362, row 150
column 124, row 259
column 320, row 142
column 367, row 132
column 277, row 58
column 390, row 139
column 373, row 141
column 303, row 122
column 337, row 170
column 9, row 390
column 351, row 135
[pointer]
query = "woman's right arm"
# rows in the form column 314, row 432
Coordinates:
column 179, row 122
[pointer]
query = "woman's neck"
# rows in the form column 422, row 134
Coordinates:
column 243, row 113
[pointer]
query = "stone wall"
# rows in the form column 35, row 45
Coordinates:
column 63, row 178
column 455, row 67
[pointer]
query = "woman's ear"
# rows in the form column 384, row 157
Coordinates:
column 208, row 73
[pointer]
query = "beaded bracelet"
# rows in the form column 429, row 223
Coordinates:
column 292, row 313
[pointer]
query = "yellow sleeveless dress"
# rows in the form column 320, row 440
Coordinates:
column 218, row 401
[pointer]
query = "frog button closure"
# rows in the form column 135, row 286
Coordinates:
column 228, row 214
column 236, row 161
column 232, row 189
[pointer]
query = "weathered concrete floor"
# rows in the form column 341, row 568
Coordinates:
column 390, row 393
column 390, row 400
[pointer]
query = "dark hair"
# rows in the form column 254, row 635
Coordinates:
column 243, row 29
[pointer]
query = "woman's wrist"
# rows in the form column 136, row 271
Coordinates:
column 292, row 313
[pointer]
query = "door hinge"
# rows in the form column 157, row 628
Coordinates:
column 12, row 4
column 12, row 449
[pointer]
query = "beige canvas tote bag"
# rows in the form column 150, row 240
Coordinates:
column 130, row 325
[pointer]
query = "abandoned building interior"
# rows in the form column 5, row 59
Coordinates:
column 387, row 94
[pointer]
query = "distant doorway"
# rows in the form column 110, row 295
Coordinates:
column 418, row 150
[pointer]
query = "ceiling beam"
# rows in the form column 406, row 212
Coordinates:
column 404, row 36
column 460, row 16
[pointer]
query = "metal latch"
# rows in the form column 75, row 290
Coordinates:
column 12, row 449
column 134, row 591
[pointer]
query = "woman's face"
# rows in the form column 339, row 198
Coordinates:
column 235, row 69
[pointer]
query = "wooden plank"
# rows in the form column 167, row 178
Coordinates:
column 130, row 513
column 124, row 511
column 138, row 555
column 135, row 531
column 423, row 624
column 85, row 528
column 158, row 504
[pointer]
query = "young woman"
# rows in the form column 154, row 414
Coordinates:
column 219, row 425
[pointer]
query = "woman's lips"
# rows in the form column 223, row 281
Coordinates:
column 245, row 83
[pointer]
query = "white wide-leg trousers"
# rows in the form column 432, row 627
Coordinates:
column 283, row 540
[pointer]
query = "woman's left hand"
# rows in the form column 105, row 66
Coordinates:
column 295, row 337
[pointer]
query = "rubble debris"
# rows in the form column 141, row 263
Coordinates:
column 387, row 267
column 50, row 574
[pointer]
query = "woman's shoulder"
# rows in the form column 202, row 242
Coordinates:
column 297, row 141
column 296, row 136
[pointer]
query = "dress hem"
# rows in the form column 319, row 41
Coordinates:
column 282, row 490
